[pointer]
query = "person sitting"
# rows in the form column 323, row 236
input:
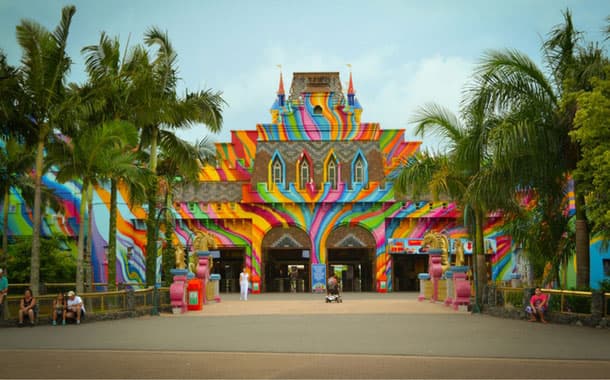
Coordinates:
column 75, row 309
column 27, row 308
column 3, row 290
column 59, row 309
column 538, row 305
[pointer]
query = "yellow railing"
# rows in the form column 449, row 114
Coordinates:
column 95, row 303
column 573, row 302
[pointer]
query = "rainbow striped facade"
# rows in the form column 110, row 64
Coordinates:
column 255, row 197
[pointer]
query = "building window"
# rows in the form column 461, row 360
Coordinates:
column 359, row 171
column 606, row 263
column 317, row 110
column 331, row 174
column 277, row 172
column 304, row 173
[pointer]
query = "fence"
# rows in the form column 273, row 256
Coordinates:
column 563, row 302
column 99, row 304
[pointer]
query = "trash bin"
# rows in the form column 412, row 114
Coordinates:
column 256, row 285
column 195, row 294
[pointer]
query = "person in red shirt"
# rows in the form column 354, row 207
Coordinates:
column 538, row 305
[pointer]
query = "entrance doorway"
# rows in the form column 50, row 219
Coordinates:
column 229, row 266
column 406, row 268
column 353, row 267
column 278, row 265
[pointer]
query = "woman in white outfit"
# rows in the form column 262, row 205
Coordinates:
column 243, row 285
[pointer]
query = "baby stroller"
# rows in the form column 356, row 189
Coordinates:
column 333, row 293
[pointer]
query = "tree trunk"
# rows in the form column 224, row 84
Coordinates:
column 151, row 222
column 35, row 258
column 4, row 257
column 582, row 243
column 479, row 254
column 111, row 250
column 89, row 250
column 80, row 255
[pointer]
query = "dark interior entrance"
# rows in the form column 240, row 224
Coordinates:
column 353, row 267
column 277, row 267
column 229, row 266
column 406, row 268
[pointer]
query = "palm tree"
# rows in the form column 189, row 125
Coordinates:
column 159, row 114
column 111, row 98
column 44, row 67
column 91, row 155
column 461, row 174
column 538, row 113
column 15, row 162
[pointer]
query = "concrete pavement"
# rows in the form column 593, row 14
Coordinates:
column 299, row 336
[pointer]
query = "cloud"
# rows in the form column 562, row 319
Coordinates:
column 389, row 92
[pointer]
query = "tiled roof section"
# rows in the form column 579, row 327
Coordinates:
column 209, row 192
column 315, row 82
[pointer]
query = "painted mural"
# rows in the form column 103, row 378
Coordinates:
column 317, row 112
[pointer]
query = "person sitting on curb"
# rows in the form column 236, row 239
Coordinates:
column 27, row 308
column 3, row 290
column 75, row 307
column 538, row 305
column 59, row 309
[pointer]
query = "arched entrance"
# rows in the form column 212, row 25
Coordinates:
column 229, row 265
column 285, row 249
column 351, row 255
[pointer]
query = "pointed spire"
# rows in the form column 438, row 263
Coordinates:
column 280, row 91
column 350, row 88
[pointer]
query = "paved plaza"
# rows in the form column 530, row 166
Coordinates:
column 299, row 336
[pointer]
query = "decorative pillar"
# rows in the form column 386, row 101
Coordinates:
column 177, row 290
column 203, row 271
column 449, row 298
column 424, row 279
column 435, row 270
column 461, row 287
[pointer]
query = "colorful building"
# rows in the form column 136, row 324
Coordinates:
column 310, row 191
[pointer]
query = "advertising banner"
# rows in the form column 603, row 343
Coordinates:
column 318, row 278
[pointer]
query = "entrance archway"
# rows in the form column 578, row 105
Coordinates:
column 229, row 265
column 351, row 256
column 286, row 250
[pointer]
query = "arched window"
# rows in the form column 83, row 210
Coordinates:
column 359, row 170
column 277, row 172
column 331, row 173
column 304, row 173
column 317, row 110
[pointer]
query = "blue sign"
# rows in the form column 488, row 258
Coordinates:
column 318, row 278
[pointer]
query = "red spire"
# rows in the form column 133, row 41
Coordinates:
column 350, row 88
column 280, row 90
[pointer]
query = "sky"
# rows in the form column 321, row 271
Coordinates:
column 403, row 54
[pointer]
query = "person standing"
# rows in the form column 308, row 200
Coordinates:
column 3, row 290
column 243, row 285
column 294, row 276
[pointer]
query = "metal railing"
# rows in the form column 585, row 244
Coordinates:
column 96, row 303
column 569, row 302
